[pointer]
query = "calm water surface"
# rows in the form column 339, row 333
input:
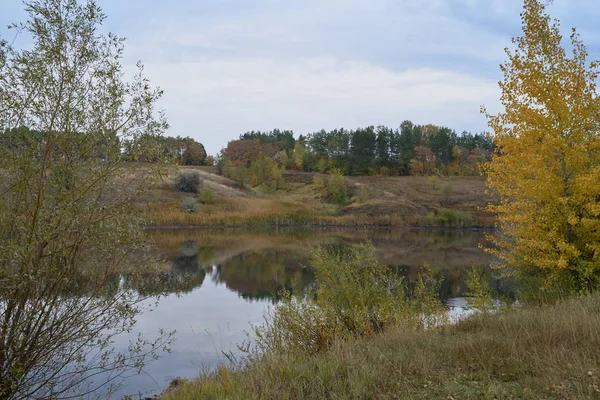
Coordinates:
column 221, row 282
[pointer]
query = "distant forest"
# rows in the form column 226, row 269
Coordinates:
column 143, row 148
column 408, row 150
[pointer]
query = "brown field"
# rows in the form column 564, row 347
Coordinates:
column 374, row 201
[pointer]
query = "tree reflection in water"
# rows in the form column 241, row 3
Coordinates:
column 260, row 266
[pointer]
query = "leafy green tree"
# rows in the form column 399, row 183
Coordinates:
column 406, row 145
column 362, row 150
column 70, row 223
column 441, row 143
column 337, row 187
column 383, row 146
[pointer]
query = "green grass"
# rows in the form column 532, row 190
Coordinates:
column 549, row 352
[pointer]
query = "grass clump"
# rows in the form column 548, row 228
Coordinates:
column 444, row 218
column 188, row 182
column 189, row 205
column 207, row 195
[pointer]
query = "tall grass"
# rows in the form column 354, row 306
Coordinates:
column 548, row 352
column 248, row 212
column 443, row 218
column 355, row 296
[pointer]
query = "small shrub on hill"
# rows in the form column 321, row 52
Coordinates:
column 188, row 182
column 337, row 187
column 190, row 205
column 207, row 195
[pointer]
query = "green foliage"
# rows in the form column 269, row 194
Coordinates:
column 445, row 217
column 354, row 289
column 364, row 150
column 322, row 165
column 189, row 204
column 337, row 187
column 207, row 195
column 188, row 182
column 434, row 181
column 355, row 296
column 235, row 170
column 480, row 294
column 263, row 170
column 157, row 148
column 293, row 326
column 318, row 184
column 69, row 203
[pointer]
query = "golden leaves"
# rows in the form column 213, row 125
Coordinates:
column 546, row 170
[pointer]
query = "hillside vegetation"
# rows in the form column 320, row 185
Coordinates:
column 303, row 199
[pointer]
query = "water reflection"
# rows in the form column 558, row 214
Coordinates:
column 219, row 282
column 259, row 265
column 264, row 274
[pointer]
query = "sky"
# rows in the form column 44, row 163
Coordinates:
column 231, row 66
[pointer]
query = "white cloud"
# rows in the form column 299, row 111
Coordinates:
column 216, row 100
column 307, row 65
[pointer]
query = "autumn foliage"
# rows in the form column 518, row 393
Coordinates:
column 546, row 169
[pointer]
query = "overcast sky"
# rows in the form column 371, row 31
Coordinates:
column 230, row 66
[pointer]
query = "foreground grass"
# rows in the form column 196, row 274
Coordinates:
column 551, row 352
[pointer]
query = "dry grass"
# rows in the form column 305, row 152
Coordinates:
column 539, row 353
column 376, row 201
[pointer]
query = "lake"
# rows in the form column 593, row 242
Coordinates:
column 222, row 281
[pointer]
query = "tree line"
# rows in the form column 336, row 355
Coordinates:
column 147, row 148
column 410, row 149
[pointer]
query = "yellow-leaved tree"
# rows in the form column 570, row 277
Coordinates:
column 546, row 167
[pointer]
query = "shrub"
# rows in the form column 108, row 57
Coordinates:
column 452, row 218
column 363, row 194
column 318, row 184
column 188, row 182
column 355, row 296
column 207, row 195
column 337, row 187
column 447, row 190
column 434, row 181
column 190, row 205
column 480, row 293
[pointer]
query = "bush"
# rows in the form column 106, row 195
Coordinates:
column 363, row 194
column 434, row 181
column 318, row 184
column 207, row 195
column 445, row 217
column 355, row 296
column 337, row 187
column 188, row 182
column 190, row 205
column 447, row 190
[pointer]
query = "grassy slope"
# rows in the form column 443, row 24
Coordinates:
column 538, row 353
column 382, row 201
